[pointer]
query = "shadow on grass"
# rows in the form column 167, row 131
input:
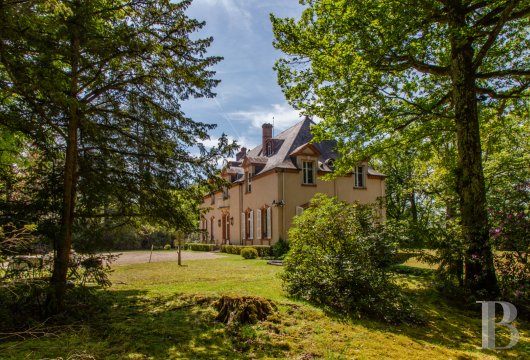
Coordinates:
column 176, row 326
column 446, row 323
column 135, row 325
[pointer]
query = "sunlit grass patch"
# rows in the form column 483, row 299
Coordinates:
column 163, row 311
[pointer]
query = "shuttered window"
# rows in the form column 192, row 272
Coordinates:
column 251, row 224
column 258, row 224
column 269, row 222
column 243, row 218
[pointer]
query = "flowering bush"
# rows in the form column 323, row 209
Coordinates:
column 510, row 219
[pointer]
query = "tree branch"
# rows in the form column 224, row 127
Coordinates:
column 494, row 33
column 513, row 94
column 503, row 73
column 408, row 61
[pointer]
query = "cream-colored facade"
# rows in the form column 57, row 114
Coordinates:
column 272, row 184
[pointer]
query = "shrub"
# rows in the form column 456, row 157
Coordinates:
column 167, row 247
column 200, row 247
column 263, row 250
column 249, row 253
column 280, row 249
column 340, row 258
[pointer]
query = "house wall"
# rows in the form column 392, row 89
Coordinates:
column 286, row 185
column 343, row 188
column 264, row 191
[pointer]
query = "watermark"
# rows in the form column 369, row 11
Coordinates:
column 489, row 324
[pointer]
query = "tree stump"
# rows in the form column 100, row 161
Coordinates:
column 243, row 309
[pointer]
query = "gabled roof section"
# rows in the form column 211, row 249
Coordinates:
column 257, row 160
column 306, row 149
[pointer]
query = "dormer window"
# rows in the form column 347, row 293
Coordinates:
column 308, row 170
column 249, row 181
column 269, row 149
column 359, row 177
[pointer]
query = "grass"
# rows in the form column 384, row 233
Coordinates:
column 163, row 311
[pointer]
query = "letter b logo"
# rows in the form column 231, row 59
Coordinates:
column 488, row 323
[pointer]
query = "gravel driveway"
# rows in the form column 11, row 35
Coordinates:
column 137, row 257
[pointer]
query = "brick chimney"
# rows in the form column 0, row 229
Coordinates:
column 241, row 154
column 266, row 135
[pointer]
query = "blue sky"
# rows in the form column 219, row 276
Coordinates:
column 248, row 94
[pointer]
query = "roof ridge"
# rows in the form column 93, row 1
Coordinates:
column 294, row 125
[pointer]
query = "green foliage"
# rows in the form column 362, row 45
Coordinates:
column 263, row 250
column 384, row 82
column 96, row 87
column 340, row 257
column 280, row 249
column 249, row 253
column 511, row 228
column 167, row 247
column 200, row 247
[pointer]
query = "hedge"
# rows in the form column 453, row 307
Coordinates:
column 200, row 247
column 263, row 250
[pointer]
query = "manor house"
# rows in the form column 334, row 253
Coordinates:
column 275, row 181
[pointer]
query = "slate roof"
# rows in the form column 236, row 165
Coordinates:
column 284, row 144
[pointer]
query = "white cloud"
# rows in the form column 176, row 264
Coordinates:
column 242, row 142
column 237, row 15
column 283, row 116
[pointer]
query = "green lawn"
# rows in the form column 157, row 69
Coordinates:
column 163, row 311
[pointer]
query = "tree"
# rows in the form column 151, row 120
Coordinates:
column 98, row 84
column 389, row 74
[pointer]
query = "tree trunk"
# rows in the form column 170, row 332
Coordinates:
column 413, row 207
column 55, row 301
column 479, row 268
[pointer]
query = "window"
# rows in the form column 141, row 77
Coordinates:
column 249, row 182
column 308, row 172
column 359, row 177
column 269, row 148
column 212, row 200
column 225, row 193
column 267, row 221
column 299, row 210
column 249, row 224
column 263, row 223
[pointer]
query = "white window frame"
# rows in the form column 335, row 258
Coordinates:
column 269, row 148
column 359, row 171
column 299, row 210
column 251, row 225
column 305, row 172
column 249, row 182
column 268, row 222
